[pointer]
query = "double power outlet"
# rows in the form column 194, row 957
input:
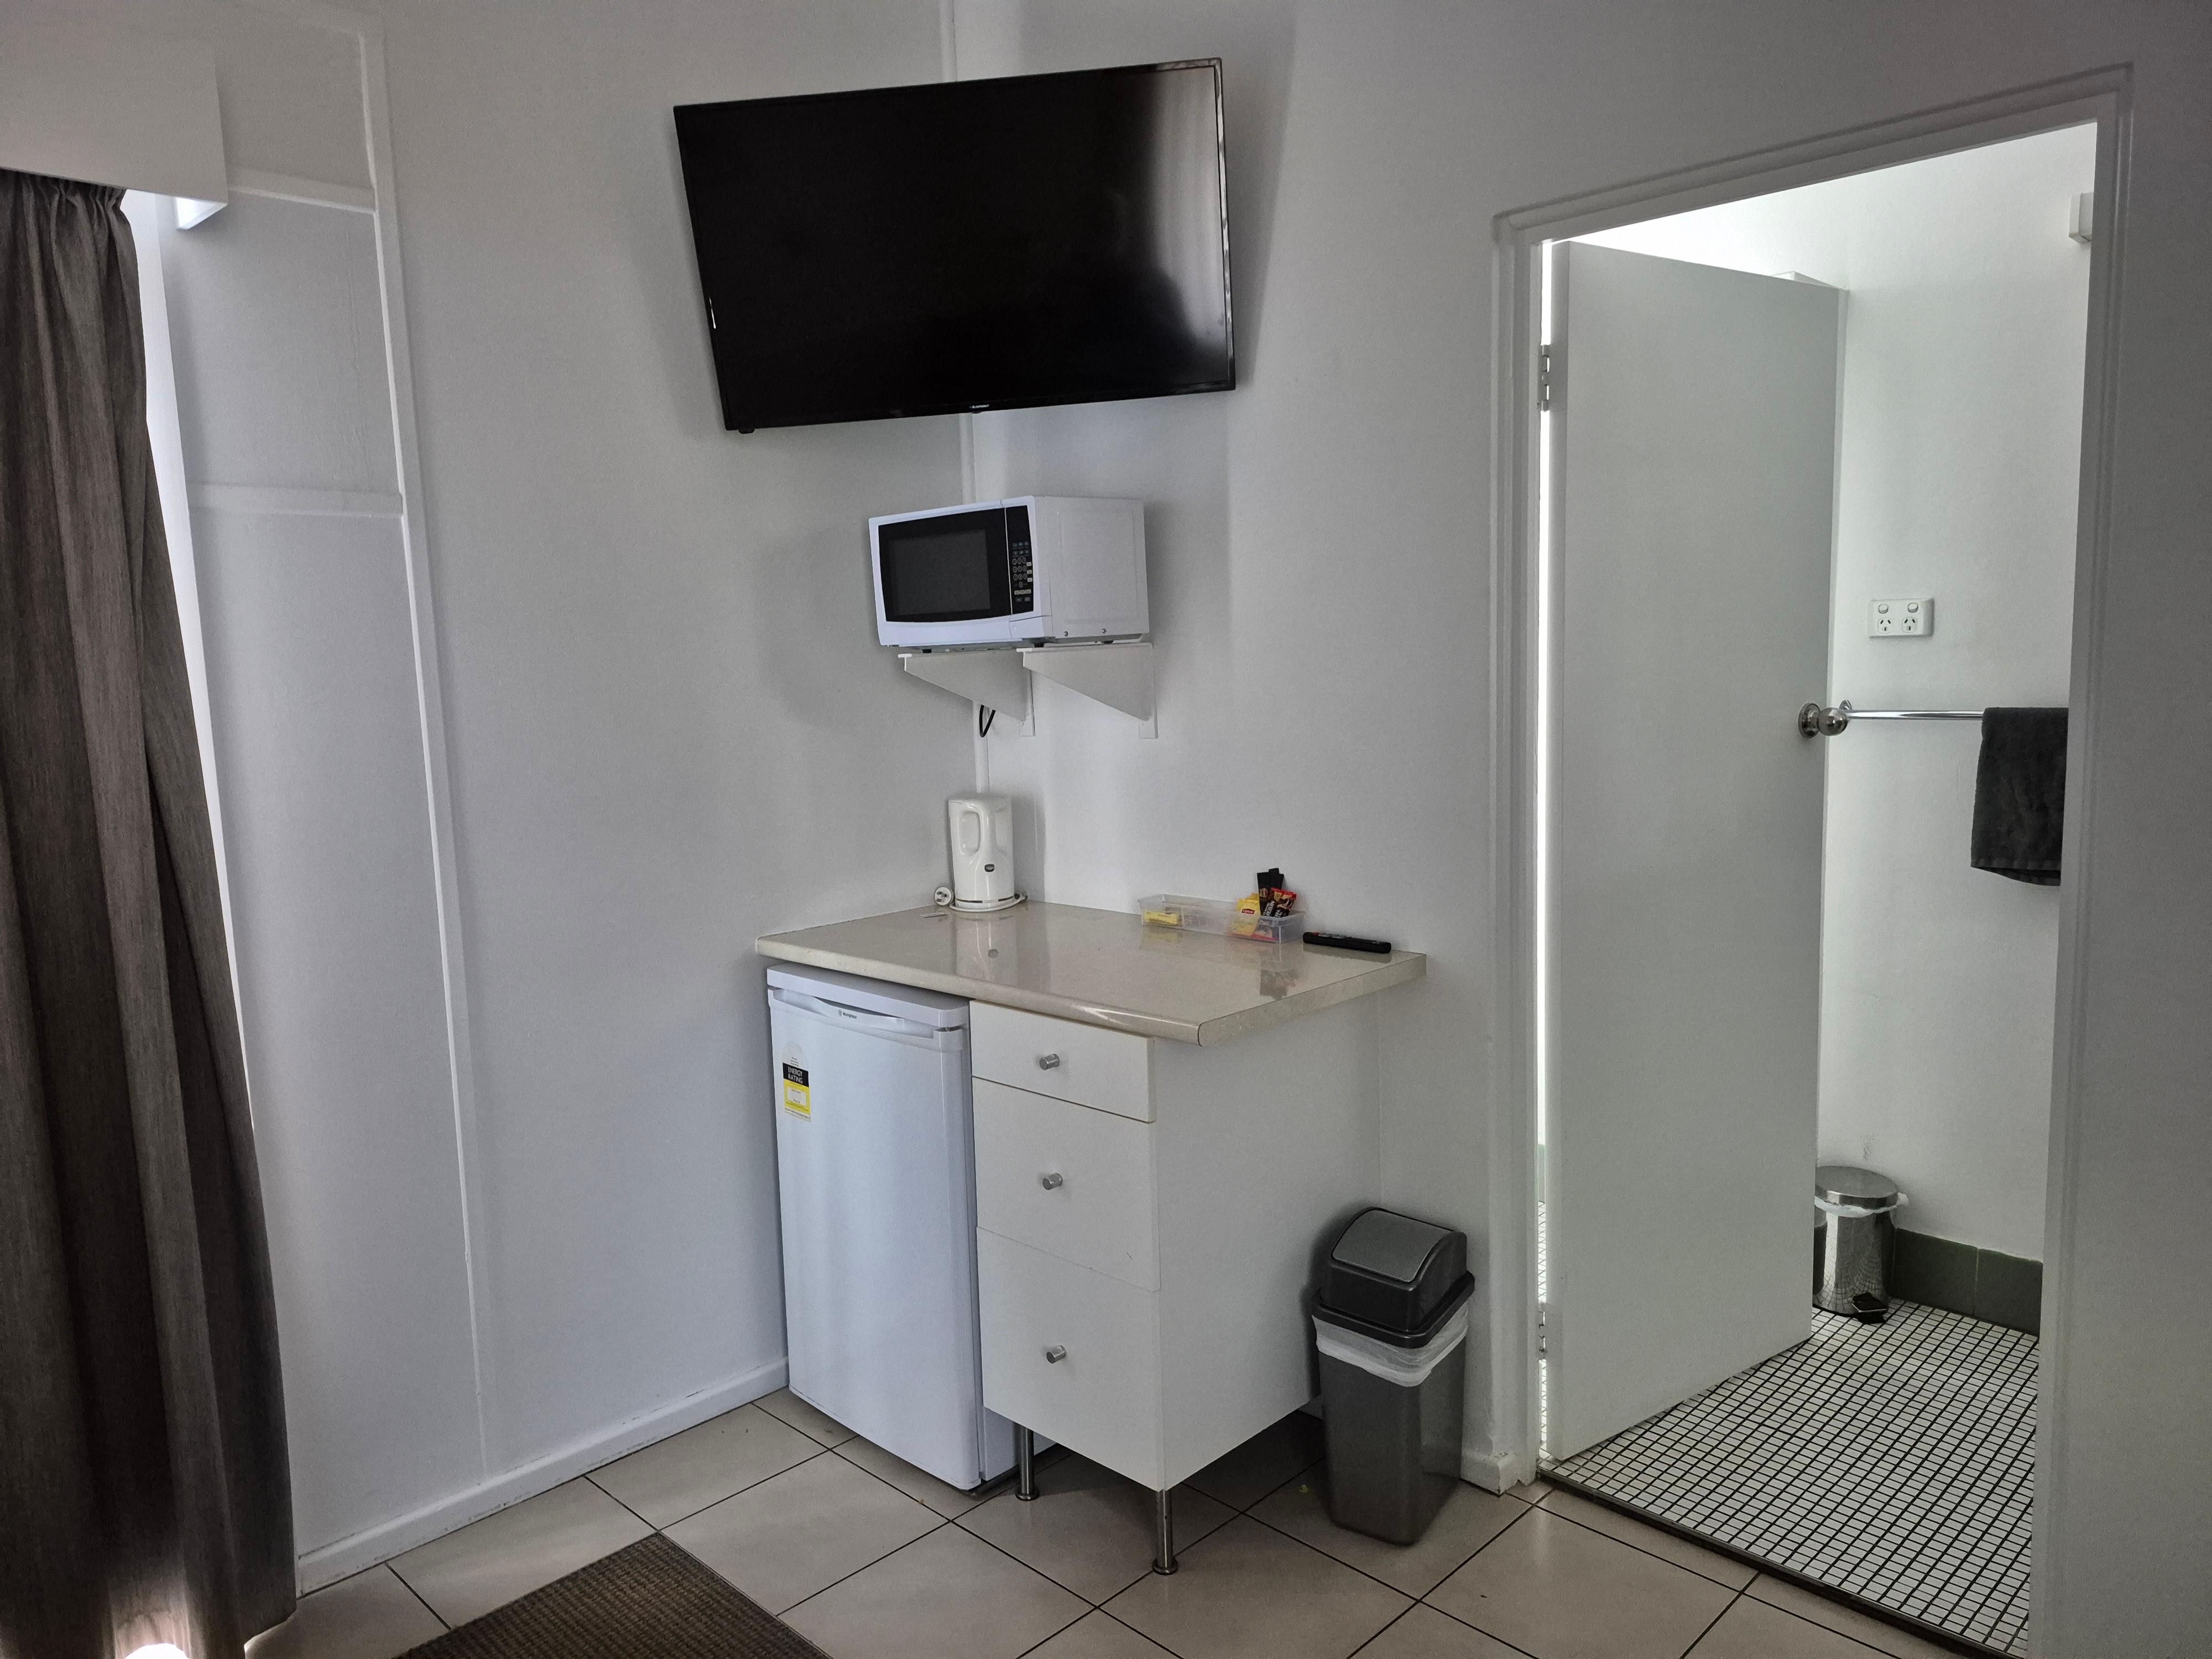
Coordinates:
column 1889, row 618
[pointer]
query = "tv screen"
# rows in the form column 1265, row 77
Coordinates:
column 1044, row 238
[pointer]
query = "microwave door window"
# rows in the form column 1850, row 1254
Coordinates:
column 941, row 576
column 954, row 571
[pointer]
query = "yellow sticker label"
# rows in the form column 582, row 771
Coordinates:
column 796, row 1097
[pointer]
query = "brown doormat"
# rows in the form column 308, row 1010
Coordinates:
column 649, row 1601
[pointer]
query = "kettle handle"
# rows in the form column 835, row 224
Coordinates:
column 968, row 827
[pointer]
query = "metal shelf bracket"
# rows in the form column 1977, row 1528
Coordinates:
column 997, row 679
column 1119, row 675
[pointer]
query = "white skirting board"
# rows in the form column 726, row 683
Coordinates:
column 332, row 1562
column 1489, row 1469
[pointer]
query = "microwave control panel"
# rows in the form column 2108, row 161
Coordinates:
column 1020, row 570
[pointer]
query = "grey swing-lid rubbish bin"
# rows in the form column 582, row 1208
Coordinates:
column 1390, row 1321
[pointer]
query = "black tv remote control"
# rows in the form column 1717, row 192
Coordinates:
column 1380, row 947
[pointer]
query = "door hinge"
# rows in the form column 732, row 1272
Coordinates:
column 1543, row 377
column 1543, row 1329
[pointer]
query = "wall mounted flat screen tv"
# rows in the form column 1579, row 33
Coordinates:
column 1041, row 238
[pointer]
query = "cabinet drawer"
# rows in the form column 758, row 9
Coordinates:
column 1102, row 1397
column 1074, row 1182
column 1087, row 1064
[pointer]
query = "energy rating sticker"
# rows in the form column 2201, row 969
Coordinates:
column 795, row 1095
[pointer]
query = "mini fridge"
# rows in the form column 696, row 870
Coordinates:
column 875, row 1168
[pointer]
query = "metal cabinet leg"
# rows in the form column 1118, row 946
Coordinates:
column 1164, row 1560
column 1026, row 1464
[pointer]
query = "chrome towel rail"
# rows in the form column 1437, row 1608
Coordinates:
column 1815, row 721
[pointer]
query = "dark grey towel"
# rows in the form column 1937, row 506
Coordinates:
column 2020, row 793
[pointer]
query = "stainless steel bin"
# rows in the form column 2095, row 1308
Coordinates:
column 1855, row 1240
column 1390, row 1320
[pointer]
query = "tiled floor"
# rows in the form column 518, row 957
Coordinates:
column 1895, row 1462
column 874, row 1560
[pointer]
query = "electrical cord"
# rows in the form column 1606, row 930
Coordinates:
column 986, row 718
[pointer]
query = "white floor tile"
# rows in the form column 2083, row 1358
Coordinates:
column 370, row 1615
column 489, row 1563
column 1089, row 1528
column 1560, row 1591
column 920, row 1484
column 788, row 1408
column 804, row 1529
column 1652, row 1540
column 950, row 1595
column 1469, row 1519
column 685, row 1472
column 1249, row 1592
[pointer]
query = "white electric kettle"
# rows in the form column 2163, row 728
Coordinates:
column 983, row 831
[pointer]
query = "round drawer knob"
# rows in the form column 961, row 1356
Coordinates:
column 1051, row 1180
column 1054, row 1354
column 1047, row 1062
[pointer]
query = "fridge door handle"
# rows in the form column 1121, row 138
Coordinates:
column 858, row 1018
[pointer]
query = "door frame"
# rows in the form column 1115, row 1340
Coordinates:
column 2100, row 97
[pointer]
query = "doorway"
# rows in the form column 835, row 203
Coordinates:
column 1766, row 416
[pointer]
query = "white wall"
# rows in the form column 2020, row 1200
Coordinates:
column 657, row 660
column 1321, row 541
column 1960, row 430
column 83, row 99
column 671, row 729
column 288, row 86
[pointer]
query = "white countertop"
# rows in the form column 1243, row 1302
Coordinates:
column 1102, row 967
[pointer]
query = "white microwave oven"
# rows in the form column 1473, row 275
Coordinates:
column 1032, row 568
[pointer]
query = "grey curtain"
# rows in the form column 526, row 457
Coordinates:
column 144, row 1492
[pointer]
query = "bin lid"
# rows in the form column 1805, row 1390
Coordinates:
column 1391, row 1270
column 1388, row 1245
column 1846, row 1184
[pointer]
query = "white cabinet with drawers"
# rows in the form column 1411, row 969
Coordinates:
column 1168, row 1124
column 1086, row 1064
column 1072, row 1354
column 1071, row 1181
column 1148, row 1212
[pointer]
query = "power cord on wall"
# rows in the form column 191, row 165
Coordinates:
column 986, row 718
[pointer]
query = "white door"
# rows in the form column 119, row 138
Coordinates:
column 1693, row 458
